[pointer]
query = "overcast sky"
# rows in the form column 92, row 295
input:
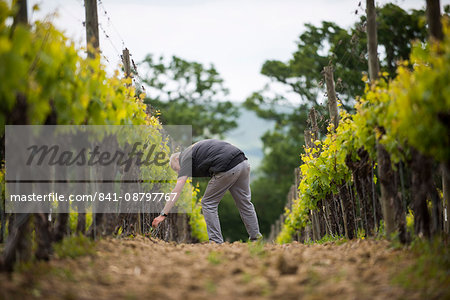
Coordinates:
column 237, row 36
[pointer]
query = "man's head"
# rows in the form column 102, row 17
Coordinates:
column 175, row 161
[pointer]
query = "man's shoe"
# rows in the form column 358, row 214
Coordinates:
column 259, row 237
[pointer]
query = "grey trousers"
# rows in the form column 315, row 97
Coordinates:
column 237, row 180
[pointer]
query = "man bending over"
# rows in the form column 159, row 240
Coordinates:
column 228, row 169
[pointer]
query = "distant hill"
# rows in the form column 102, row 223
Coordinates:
column 247, row 136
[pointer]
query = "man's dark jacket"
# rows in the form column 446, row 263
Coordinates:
column 208, row 157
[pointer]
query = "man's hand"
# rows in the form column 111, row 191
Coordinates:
column 157, row 220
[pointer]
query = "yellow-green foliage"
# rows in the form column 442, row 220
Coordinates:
column 322, row 173
column 189, row 202
column 41, row 64
column 410, row 221
column 421, row 100
column 73, row 220
column 196, row 220
column 411, row 109
column 370, row 111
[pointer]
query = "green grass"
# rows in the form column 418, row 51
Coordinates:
column 246, row 277
column 62, row 273
column 214, row 258
column 338, row 240
column 256, row 249
column 430, row 272
column 210, row 287
column 75, row 246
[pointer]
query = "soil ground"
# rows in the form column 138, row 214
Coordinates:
column 144, row 268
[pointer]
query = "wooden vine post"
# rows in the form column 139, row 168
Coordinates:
column 391, row 204
column 385, row 173
column 316, row 214
column 345, row 201
column 440, row 210
column 126, row 62
column 332, row 99
column 372, row 40
column 434, row 19
column 310, row 145
column 388, row 192
column 22, row 12
column 93, row 48
column 18, row 243
column 92, row 37
column 421, row 166
column 435, row 32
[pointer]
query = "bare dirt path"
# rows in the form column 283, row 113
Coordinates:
column 142, row 268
